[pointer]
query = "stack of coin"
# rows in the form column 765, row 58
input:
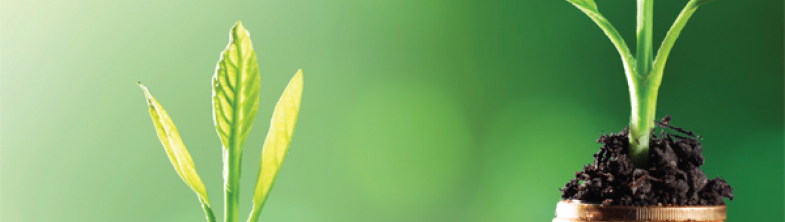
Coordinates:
column 577, row 211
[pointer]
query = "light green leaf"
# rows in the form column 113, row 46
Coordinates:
column 175, row 149
column 670, row 40
column 235, row 101
column 276, row 146
column 587, row 4
column 590, row 9
column 701, row 2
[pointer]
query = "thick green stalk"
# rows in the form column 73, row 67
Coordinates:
column 643, row 101
column 643, row 98
column 644, row 50
column 643, row 91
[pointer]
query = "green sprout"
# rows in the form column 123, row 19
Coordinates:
column 644, row 72
column 235, row 101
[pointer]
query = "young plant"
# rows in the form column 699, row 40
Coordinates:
column 235, row 101
column 644, row 72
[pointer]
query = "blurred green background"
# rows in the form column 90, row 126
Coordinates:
column 412, row 110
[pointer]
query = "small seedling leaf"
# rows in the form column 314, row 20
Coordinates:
column 235, row 102
column 236, row 89
column 670, row 40
column 276, row 146
column 590, row 9
column 701, row 2
column 176, row 151
column 587, row 4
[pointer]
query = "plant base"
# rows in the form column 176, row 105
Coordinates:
column 673, row 176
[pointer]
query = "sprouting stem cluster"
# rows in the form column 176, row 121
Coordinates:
column 235, row 103
column 643, row 71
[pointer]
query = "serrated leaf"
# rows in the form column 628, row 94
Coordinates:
column 176, row 151
column 276, row 146
column 235, row 101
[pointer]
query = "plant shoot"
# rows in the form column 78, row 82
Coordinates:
column 643, row 71
column 235, row 102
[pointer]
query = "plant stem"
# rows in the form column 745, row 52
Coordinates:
column 643, row 98
column 643, row 95
column 208, row 211
column 644, row 50
column 232, row 161
column 644, row 73
column 644, row 87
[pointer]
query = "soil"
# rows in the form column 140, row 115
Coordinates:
column 673, row 177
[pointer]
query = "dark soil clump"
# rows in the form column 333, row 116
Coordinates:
column 673, row 177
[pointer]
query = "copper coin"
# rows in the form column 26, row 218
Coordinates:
column 574, row 211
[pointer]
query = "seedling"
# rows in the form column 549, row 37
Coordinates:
column 636, row 167
column 235, row 101
column 644, row 72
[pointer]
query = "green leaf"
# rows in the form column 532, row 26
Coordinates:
column 276, row 146
column 235, row 101
column 587, row 4
column 670, row 40
column 590, row 9
column 175, row 149
column 701, row 2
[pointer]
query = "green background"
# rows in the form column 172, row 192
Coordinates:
column 412, row 110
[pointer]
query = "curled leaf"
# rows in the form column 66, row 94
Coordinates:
column 176, row 151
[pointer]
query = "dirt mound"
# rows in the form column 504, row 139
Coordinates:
column 673, row 176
